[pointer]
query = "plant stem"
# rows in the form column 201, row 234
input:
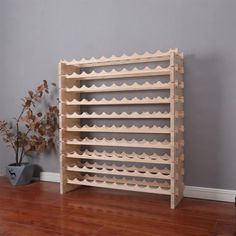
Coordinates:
column 17, row 142
column 23, row 149
column 21, row 155
column 17, row 135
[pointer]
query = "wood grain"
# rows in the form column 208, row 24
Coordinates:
column 38, row 209
column 70, row 75
column 124, row 59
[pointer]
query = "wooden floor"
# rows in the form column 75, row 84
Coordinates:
column 39, row 210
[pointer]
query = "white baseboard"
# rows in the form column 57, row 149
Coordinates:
column 190, row 191
column 50, row 177
column 210, row 193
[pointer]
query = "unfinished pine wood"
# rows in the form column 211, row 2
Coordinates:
column 124, row 87
column 124, row 59
column 124, row 73
column 127, row 185
column 119, row 170
column 121, row 143
column 124, row 180
column 122, row 115
column 176, row 184
column 121, row 129
column 63, row 109
column 123, row 156
column 123, row 101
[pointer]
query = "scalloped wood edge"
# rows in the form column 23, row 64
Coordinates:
column 121, row 129
column 133, row 180
column 122, row 115
column 120, row 167
column 124, row 73
column 125, row 157
column 109, row 183
column 121, row 143
column 124, row 59
column 123, row 87
column 121, row 170
column 114, row 101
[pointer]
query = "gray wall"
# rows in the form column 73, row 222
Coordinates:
column 38, row 33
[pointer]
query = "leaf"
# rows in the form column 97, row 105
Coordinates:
column 33, row 117
column 29, row 113
column 48, row 127
column 41, row 131
column 27, row 147
column 40, row 87
column 31, row 93
column 37, row 124
column 39, row 114
column 28, row 103
column 45, row 83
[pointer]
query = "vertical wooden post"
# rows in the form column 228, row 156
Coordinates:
column 63, row 109
column 172, row 127
column 176, row 138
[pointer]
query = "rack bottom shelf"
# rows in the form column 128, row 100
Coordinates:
column 157, row 188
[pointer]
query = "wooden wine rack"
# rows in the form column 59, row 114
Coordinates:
column 155, row 172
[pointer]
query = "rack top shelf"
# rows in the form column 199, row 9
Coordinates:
column 124, row 59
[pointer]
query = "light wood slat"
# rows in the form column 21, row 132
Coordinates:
column 122, row 115
column 121, row 186
column 124, row 157
column 121, row 129
column 124, row 73
column 121, row 143
column 123, row 59
column 122, row 167
column 121, row 170
column 131, row 180
column 124, row 101
column 124, row 87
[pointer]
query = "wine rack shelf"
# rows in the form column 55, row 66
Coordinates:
column 141, row 163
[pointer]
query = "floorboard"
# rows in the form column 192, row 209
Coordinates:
column 39, row 209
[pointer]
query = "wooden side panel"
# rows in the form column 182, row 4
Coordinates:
column 177, row 135
column 63, row 109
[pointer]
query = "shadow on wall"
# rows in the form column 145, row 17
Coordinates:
column 202, row 103
column 37, row 171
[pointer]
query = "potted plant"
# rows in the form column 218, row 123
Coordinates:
column 32, row 132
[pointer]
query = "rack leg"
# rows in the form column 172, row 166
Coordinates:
column 176, row 198
column 64, row 186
